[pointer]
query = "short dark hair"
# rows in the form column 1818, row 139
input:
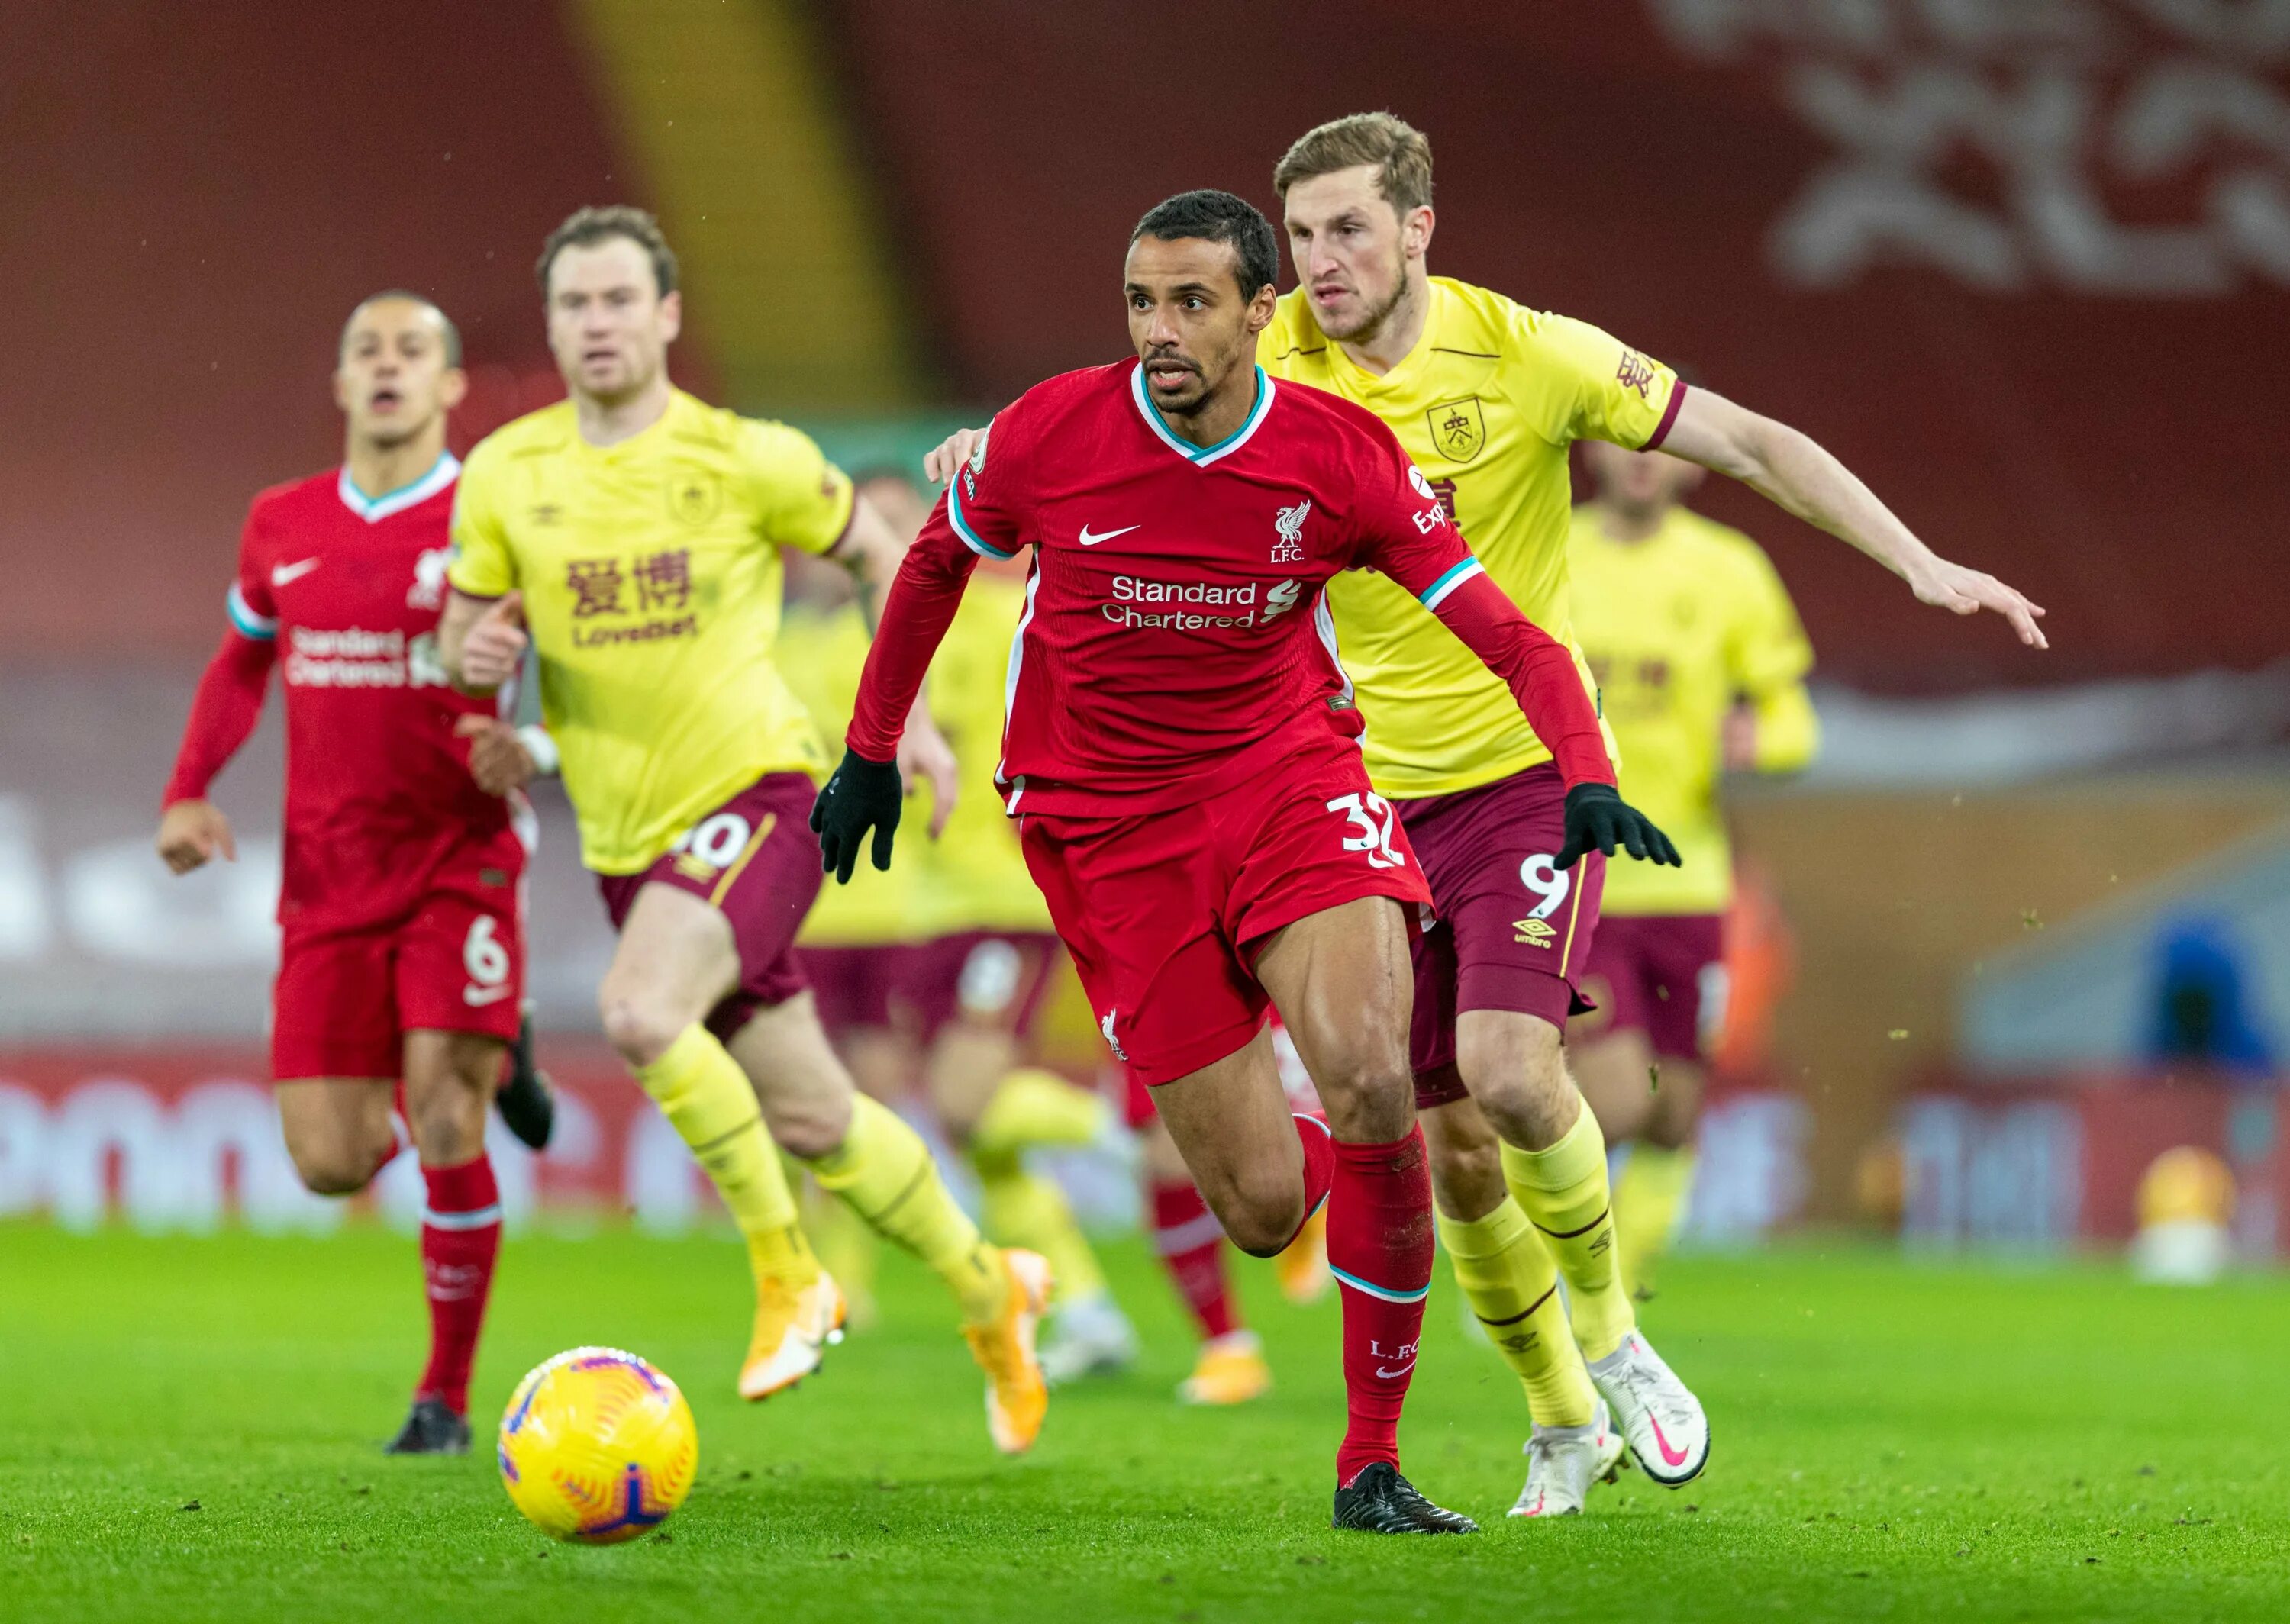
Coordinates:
column 1219, row 217
column 586, row 227
column 446, row 322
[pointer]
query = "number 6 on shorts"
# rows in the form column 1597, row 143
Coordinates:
column 483, row 955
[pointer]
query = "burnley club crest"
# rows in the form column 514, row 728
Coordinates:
column 1459, row 428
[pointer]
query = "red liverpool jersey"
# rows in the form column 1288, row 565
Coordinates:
column 342, row 592
column 1176, row 637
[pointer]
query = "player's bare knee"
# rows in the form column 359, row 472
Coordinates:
column 1259, row 1210
column 1515, row 1067
column 1467, row 1176
column 958, row 1111
column 640, row 1028
column 338, row 1167
column 449, row 1123
column 1370, row 1098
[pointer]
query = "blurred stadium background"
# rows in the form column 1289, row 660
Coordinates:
column 2022, row 263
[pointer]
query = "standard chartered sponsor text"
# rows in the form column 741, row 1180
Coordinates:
column 351, row 657
column 1240, row 604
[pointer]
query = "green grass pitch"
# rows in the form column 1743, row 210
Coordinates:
column 188, row 1430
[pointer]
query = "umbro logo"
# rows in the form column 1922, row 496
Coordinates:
column 1538, row 932
column 1089, row 540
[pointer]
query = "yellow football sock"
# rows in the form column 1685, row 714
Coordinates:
column 706, row 1097
column 883, row 1171
column 1649, row 1200
column 1507, row 1278
column 1026, row 1209
column 847, row 1248
column 1033, row 1107
column 1563, row 1191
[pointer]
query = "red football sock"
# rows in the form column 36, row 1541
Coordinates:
column 1380, row 1251
column 1319, row 1162
column 1191, row 1243
column 461, row 1235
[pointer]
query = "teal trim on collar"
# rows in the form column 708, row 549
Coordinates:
column 1200, row 456
column 373, row 509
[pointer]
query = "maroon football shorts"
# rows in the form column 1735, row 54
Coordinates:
column 755, row 861
column 1662, row 974
column 857, row 988
column 994, row 978
column 1511, row 931
column 346, row 994
column 1160, row 911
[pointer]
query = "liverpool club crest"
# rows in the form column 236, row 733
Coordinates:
column 1459, row 428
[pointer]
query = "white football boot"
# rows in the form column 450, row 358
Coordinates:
column 1668, row 1434
column 1089, row 1337
column 1562, row 1463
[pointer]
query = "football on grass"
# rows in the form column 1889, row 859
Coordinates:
column 598, row 1446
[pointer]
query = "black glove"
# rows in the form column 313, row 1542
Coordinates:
column 863, row 794
column 1597, row 817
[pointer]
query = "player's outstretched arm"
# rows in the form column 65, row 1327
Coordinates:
column 864, row 795
column 481, row 642
column 1791, row 470
column 228, row 704
column 873, row 552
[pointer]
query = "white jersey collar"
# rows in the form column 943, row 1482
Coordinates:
column 373, row 509
column 1200, row 456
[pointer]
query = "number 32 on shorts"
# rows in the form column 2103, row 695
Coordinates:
column 1373, row 837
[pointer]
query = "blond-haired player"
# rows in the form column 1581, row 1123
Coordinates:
column 631, row 537
column 1700, row 664
column 1487, row 395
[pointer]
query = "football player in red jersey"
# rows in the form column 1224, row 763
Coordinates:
column 402, row 962
column 1182, row 752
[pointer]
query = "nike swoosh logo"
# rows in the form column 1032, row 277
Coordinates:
column 1670, row 1457
column 1088, row 539
column 477, row 997
column 1386, row 1375
column 281, row 574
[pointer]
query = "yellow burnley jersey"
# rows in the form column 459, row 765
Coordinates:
column 1486, row 404
column 821, row 655
column 1678, row 626
column 652, row 582
column 974, row 878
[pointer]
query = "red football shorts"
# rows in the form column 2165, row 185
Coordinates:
column 1160, row 911
column 755, row 861
column 1512, row 932
column 1664, row 975
column 346, row 994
